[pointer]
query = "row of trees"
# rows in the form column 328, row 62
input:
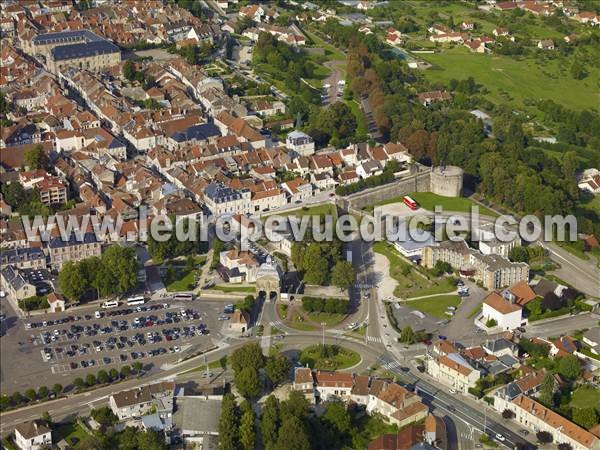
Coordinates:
column 31, row 395
column 114, row 273
column 104, row 377
column 236, row 425
column 247, row 362
column 328, row 305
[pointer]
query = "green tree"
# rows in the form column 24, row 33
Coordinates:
column 247, row 382
column 47, row 418
column 269, row 422
column 137, row 367
column 57, row 389
column 292, row 435
column 250, row 355
column 114, row 374
column 296, row 405
column 129, row 70
column 228, row 424
column 277, row 368
column 16, row 398
column 125, row 371
column 5, row 402
column 569, row 367
column 586, row 417
column 247, row 432
column 150, row 440
column 546, row 392
column 407, row 335
column 72, row 284
column 91, row 442
column 343, row 274
column 316, row 265
column 104, row 416
column 337, row 417
column 31, row 394
column 36, row 158
column 90, row 379
column 43, row 392
column 79, row 383
column 103, row 377
column 519, row 254
column 578, row 71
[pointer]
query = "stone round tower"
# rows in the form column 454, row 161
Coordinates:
column 447, row 181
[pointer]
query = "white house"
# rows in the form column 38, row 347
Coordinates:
column 452, row 370
column 506, row 313
column 139, row 401
column 32, row 435
column 300, row 142
column 336, row 385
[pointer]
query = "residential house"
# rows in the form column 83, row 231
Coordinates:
column 546, row 44
column 452, row 370
column 298, row 190
column 23, row 258
column 300, row 142
column 16, row 284
column 500, row 312
column 33, row 435
column 137, row 402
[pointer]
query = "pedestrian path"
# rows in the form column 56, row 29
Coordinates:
column 391, row 365
column 374, row 339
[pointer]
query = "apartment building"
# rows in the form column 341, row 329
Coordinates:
column 398, row 405
column 52, row 191
column 493, row 271
column 23, row 258
column 80, row 49
column 452, row 370
column 537, row 417
column 76, row 248
column 222, row 200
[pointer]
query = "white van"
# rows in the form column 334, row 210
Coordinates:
column 110, row 304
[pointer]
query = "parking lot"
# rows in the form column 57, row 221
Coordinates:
column 61, row 347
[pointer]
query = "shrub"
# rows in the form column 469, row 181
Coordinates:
column 544, row 437
column 490, row 323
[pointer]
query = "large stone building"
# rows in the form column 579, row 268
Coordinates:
column 493, row 271
column 222, row 200
column 80, row 49
column 75, row 248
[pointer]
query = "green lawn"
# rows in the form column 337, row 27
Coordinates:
column 586, row 397
column 298, row 323
column 343, row 359
column 185, row 281
column 70, row 431
column 330, row 320
column 515, row 81
column 429, row 201
column 411, row 283
column 218, row 364
column 282, row 310
column 316, row 210
column 435, row 306
column 332, row 52
column 234, row 288
column 361, row 122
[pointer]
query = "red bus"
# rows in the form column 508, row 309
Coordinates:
column 410, row 203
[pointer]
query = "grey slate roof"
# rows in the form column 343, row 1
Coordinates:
column 83, row 50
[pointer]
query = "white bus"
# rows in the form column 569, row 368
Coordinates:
column 138, row 300
column 110, row 304
column 187, row 297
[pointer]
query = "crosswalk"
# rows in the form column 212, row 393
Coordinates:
column 374, row 339
column 391, row 365
column 276, row 324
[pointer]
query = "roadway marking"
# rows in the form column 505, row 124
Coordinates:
column 374, row 339
column 391, row 365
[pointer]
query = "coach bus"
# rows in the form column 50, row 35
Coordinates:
column 137, row 300
column 410, row 203
column 186, row 297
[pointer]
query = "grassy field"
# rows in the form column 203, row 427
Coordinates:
column 234, row 288
column 586, row 397
column 330, row 51
column 361, row 122
column 70, row 431
column 514, row 81
column 330, row 320
column 298, row 323
column 317, row 210
column 429, row 201
column 435, row 306
column 342, row 360
column 410, row 282
column 186, row 280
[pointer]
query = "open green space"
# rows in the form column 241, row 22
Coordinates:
column 332, row 357
column 586, row 397
column 513, row 81
column 330, row 51
column 411, row 281
column 316, row 210
column 329, row 319
column 299, row 323
column 435, row 306
column 429, row 201
column 361, row 122
column 71, row 432
column 233, row 288
column 185, row 280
